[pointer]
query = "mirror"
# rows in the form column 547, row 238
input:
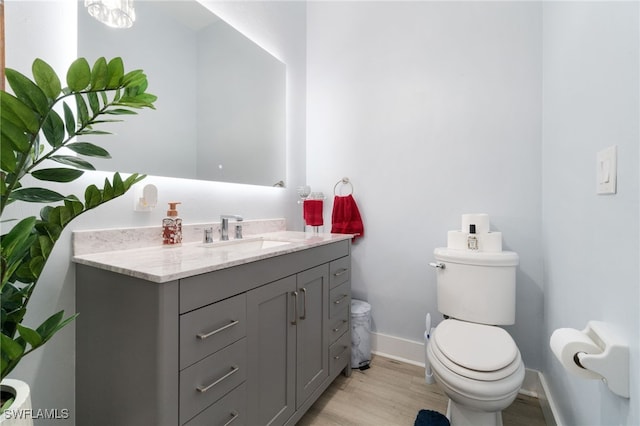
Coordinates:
column 221, row 98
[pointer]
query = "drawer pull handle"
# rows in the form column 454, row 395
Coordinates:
column 337, row 302
column 202, row 336
column 203, row 389
column 338, row 328
column 304, row 303
column 234, row 416
column 339, row 356
column 340, row 272
column 295, row 308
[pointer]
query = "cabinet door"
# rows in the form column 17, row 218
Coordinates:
column 271, row 335
column 312, row 332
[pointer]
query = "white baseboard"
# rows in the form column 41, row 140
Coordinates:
column 412, row 352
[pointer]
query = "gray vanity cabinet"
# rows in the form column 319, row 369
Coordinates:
column 288, row 344
column 272, row 353
column 252, row 344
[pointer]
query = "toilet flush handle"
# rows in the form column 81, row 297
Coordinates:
column 438, row 265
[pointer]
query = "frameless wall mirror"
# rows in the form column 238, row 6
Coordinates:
column 221, row 98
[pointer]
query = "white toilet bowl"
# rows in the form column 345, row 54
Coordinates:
column 478, row 367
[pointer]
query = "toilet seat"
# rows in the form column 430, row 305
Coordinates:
column 476, row 351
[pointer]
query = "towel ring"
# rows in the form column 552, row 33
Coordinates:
column 344, row 181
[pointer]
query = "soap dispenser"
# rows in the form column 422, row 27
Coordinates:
column 172, row 226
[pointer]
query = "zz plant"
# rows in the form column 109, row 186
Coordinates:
column 37, row 121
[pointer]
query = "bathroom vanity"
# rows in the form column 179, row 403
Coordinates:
column 209, row 335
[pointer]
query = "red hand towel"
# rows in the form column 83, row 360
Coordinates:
column 345, row 217
column 312, row 212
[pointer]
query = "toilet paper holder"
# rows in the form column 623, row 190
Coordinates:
column 612, row 364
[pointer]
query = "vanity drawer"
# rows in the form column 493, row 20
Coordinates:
column 339, row 354
column 339, row 299
column 338, row 325
column 207, row 381
column 339, row 271
column 211, row 328
column 230, row 409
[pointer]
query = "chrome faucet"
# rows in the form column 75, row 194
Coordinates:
column 224, row 226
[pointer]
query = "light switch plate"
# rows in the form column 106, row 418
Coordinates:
column 607, row 170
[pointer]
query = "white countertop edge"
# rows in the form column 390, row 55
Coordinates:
column 162, row 264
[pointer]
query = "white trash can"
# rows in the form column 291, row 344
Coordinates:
column 360, row 334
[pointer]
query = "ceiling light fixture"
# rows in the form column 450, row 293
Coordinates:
column 114, row 13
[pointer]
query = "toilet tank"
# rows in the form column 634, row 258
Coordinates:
column 477, row 286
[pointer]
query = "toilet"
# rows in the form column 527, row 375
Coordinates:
column 475, row 361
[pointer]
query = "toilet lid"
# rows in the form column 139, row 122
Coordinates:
column 474, row 346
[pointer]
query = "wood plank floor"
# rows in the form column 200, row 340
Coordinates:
column 391, row 393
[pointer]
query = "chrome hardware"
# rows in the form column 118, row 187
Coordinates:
column 208, row 235
column 344, row 348
column 202, row 336
column 234, row 416
column 238, row 232
column 337, row 302
column 338, row 328
column 340, row 272
column 304, row 304
column 224, row 226
column 295, row 308
column 438, row 265
column 203, row 389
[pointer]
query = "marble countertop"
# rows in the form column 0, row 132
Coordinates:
column 162, row 263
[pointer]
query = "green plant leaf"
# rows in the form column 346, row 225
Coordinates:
column 133, row 179
column 27, row 91
column 14, row 136
column 72, row 161
column 69, row 119
column 54, row 323
column 10, row 347
column 30, row 336
column 60, row 216
column 15, row 245
column 120, row 111
column 53, row 129
column 37, row 195
column 92, row 197
column 8, row 159
column 57, row 174
column 49, row 229
column 83, row 111
column 45, row 245
column 46, row 78
column 89, row 149
column 74, row 205
column 7, row 404
column 36, row 265
column 94, row 103
column 79, row 75
column 118, row 185
column 108, row 192
column 116, row 72
column 99, row 74
column 89, row 131
column 15, row 111
column 133, row 78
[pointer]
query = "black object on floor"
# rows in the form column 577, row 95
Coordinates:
column 431, row 418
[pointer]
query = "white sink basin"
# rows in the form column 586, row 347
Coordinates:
column 245, row 245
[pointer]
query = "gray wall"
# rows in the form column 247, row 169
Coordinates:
column 433, row 109
column 591, row 101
